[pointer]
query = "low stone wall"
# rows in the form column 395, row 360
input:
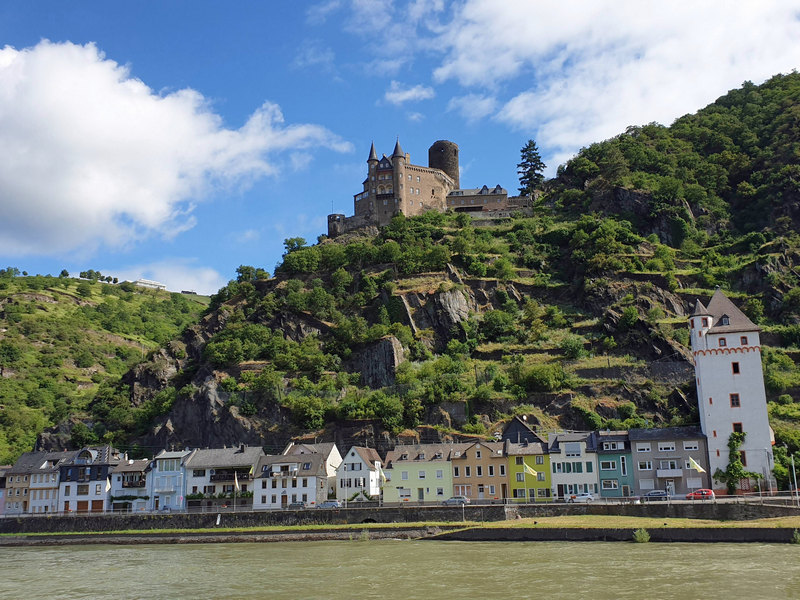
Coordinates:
column 402, row 514
column 664, row 534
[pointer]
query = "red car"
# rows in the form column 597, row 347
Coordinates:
column 700, row 495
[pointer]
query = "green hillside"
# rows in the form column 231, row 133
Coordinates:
column 63, row 339
column 443, row 326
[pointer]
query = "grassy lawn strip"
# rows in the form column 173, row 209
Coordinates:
column 624, row 522
column 260, row 529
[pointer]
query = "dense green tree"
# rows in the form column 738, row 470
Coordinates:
column 530, row 169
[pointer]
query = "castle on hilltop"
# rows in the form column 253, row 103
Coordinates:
column 395, row 186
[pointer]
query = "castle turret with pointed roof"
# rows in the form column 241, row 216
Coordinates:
column 730, row 386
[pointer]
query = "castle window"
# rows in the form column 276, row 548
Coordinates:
column 737, row 428
column 691, row 323
column 735, row 401
column 743, row 456
column 735, row 368
column 711, row 401
column 723, row 342
column 705, row 321
column 743, row 340
column 417, row 177
column 409, row 177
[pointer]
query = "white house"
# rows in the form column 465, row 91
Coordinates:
column 167, row 481
column 302, row 473
column 359, row 475
column 573, row 461
column 730, row 386
column 212, row 475
column 129, row 485
column 85, row 479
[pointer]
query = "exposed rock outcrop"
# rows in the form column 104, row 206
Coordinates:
column 378, row 362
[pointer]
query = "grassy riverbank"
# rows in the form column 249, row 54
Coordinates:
column 559, row 522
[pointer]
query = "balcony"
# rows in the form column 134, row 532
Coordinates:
column 229, row 476
column 134, row 484
column 289, row 473
column 669, row 472
column 167, row 489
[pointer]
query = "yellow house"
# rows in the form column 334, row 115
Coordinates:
column 529, row 472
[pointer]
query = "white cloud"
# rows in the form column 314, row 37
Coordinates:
column 580, row 72
column 319, row 13
column 398, row 94
column 415, row 117
column 176, row 273
column 93, row 157
column 472, row 107
column 312, row 54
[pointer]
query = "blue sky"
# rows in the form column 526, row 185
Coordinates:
column 177, row 140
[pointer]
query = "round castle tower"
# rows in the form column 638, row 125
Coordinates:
column 443, row 155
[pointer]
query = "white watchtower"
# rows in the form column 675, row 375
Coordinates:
column 730, row 387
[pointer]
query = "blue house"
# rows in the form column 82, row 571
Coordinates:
column 615, row 464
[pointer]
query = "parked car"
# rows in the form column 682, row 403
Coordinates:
column 330, row 504
column 582, row 497
column 700, row 495
column 456, row 501
column 655, row 496
column 296, row 505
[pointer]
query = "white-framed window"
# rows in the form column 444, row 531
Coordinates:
column 642, row 447
column 404, row 492
column 647, row 484
column 467, row 472
column 455, row 472
column 612, row 445
column 520, row 476
column 404, row 475
column 608, row 465
column 491, row 470
column 609, row 484
column 479, row 471
column 540, row 460
column 491, row 490
column 572, row 449
column 519, row 492
column 502, row 470
column 668, row 464
column 477, row 453
column 439, row 474
column 691, row 446
column 540, row 476
column 422, row 474
column 666, row 446
column 694, row 482
column 517, row 460
column 645, row 465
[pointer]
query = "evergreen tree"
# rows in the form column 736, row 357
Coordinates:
column 530, row 169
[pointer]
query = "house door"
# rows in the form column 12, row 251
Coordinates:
column 480, row 492
column 83, row 506
column 503, row 491
column 157, row 500
column 284, row 500
column 626, row 490
column 670, row 487
column 560, row 490
column 421, row 494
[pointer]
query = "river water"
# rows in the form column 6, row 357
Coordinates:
column 409, row 570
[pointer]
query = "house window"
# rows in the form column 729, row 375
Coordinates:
column 668, row 464
column 691, row 446
column 714, row 433
column 608, row 465
column 743, row 340
column 589, row 467
column 479, row 471
column 705, row 321
column 646, row 484
column 520, row 476
column 645, row 465
column 540, row 476
column 198, row 473
column 572, row 449
column 455, row 472
column 403, row 475
column 737, row 428
column 491, row 470
column 477, row 454
column 83, row 490
column 439, row 474
column 609, row 484
column 643, row 447
column 518, row 460
column 743, row 456
column 723, row 342
column 97, row 491
column 422, row 474
column 725, row 320
column 735, row 402
column 735, row 368
column 540, row 460
column 502, row 470
column 440, row 491
column 666, row 447
column 467, row 472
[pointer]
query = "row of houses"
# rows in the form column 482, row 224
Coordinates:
column 523, row 466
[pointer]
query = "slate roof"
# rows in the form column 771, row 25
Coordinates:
column 324, row 448
column 523, row 449
column 415, row 451
column 719, row 307
column 496, row 448
column 41, row 462
column 315, row 459
column 132, row 466
column 236, row 456
column 557, row 439
column 666, row 433
column 167, row 454
column 368, row 455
